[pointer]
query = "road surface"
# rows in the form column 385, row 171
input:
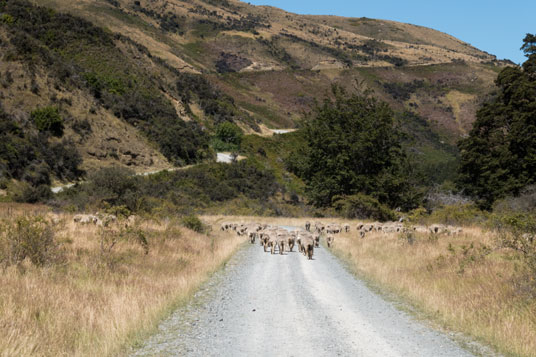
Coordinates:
column 286, row 305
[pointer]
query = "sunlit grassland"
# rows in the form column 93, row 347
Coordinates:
column 96, row 302
column 463, row 283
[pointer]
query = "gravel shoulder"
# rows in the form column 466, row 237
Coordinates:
column 285, row 305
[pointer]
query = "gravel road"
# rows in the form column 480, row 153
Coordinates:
column 272, row 305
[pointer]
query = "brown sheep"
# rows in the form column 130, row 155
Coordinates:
column 252, row 237
column 316, row 239
column 346, row 227
column 330, row 240
column 291, row 242
column 281, row 243
column 308, row 247
column 265, row 238
column 272, row 243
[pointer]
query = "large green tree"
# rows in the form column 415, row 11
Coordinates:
column 499, row 156
column 353, row 146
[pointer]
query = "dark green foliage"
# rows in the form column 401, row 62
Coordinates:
column 64, row 160
column 48, row 119
column 195, row 188
column 354, row 146
column 215, row 104
column 194, row 223
column 403, row 91
column 113, row 185
column 529, row 44
column 32, row 158
column 397, row 61
column 228, row 137
column 499, row 156
column 362, row 206
column 26, row 193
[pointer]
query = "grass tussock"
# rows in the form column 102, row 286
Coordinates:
column 464, row 282
column 100, row 296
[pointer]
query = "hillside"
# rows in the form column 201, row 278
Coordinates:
column 144, row 83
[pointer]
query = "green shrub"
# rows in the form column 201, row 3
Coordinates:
column 362, row 206
column 28, row 237
column 118, row 211
column 26, row 193
column 48, row 119
column 461, row 214
column 229, row 133
column 194, row 223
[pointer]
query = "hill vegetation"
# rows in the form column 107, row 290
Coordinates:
column 152, row 85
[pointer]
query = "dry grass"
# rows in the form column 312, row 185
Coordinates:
column 96, row 303
column 454, row 281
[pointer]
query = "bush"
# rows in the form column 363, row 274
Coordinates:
column 229, row 133
column 362, row 206
column 28, row 237
column 25, row 193
column 194, row 223
column 48, row 119
column 112, row 185
column 517, row 231
column 460, row 214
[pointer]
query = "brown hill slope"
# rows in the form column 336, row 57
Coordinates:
column 270, row 66
column 246, row 41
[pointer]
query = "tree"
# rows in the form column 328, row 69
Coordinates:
column 529, row 45
column 353, row 146
column 499, row 156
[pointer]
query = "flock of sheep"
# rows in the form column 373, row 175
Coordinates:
column 102, row 220
column 278, row 239
column 274, row 238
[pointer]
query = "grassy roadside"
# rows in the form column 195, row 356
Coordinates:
column 459, row 282
column 97, row 299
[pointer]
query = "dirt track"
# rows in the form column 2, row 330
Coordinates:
column 272, row 305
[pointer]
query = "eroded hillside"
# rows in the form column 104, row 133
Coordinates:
column 307, row 53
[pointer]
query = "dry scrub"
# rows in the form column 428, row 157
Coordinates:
column 461, row 282
column 95, row 300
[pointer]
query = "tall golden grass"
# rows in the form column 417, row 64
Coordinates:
column 461, row 282
column 94, row 303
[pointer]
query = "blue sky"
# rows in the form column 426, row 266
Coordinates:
column 497, row 27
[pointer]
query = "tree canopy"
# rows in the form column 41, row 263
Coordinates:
column 499, row 156
column 353, row 146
